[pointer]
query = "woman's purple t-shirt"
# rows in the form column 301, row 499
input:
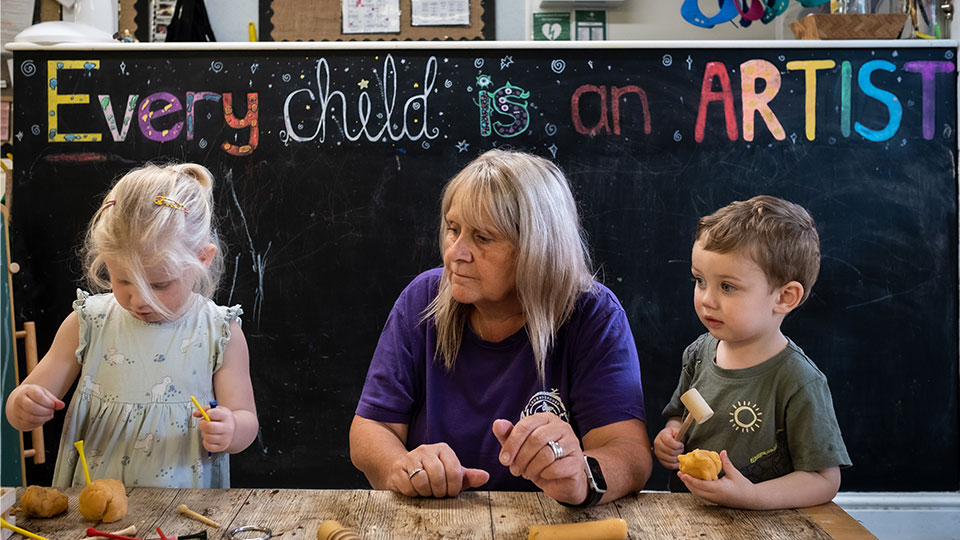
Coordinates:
column 592, row 374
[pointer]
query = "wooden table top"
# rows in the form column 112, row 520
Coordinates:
column 295, row 514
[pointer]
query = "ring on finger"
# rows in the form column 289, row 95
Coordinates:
column 556, row 448
column 415, row 471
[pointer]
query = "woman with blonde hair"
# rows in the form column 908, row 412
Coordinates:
column 509, row 368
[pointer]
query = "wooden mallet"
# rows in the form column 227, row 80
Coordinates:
column 697, row 409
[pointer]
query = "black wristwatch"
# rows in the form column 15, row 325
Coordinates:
column 596, row 485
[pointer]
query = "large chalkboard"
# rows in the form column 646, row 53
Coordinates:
column 330, row 162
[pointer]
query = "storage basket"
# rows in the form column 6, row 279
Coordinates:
column 849, row 26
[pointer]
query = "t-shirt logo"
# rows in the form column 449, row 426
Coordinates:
column 546, row 402
column 745, row 417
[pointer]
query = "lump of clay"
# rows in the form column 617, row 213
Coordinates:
column 103, row 500
column 43, row 502
column 702, row 464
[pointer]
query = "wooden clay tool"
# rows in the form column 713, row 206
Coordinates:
column 188, row 512
column 333, row 530
column 697, row 409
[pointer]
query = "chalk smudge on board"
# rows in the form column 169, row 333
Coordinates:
column 259, row 259
column 236, row 266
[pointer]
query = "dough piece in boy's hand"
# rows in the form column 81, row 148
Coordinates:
column 702, row 464
column 103, row 500
column 43, row 502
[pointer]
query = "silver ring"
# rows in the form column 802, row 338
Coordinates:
column 415, row 471
column 267, row 533
column 557, row 449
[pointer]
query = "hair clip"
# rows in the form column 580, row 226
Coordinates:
column 160, row 200
column 109, row 203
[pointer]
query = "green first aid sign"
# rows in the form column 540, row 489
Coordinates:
column 552, row 26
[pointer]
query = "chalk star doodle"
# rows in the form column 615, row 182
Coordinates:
column 363, row 84
column 689, row 63
column 19, row 135
column 590, row 63
column 506, row 61
column 463, row 145
column 553, row 150
column 508, row 100
column 123, row 68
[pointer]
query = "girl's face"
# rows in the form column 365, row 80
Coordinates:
column 481, row 263
column 172, row 291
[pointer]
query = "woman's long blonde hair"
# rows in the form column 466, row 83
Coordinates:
column 528, row 201
column 137, row 232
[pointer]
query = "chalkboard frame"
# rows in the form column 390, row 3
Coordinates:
column 804, row 325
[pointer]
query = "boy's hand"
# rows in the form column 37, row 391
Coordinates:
column 33, row 406
column 732, row 489
column 218, row 432
column 666, row 447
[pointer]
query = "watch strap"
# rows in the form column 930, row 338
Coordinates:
column 593, row 496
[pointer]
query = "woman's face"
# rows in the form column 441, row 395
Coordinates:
column 481, row 263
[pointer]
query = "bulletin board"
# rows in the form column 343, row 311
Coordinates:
column 320, row 20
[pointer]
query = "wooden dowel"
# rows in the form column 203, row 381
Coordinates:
column 29, row 336
column 684, row 427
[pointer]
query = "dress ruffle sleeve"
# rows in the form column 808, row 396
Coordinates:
column 228, row 315
column 83, row 318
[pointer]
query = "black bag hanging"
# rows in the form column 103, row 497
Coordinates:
column 190, row 22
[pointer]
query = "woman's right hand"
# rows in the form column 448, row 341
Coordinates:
column 31, row 406
column 433, row 470
column 666, row 447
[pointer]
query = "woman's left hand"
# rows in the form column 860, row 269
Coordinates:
column 218, row 432
column 528, row 453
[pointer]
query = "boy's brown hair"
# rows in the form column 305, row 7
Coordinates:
column 780, row 236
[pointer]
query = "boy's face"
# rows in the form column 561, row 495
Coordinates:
column 732, row 296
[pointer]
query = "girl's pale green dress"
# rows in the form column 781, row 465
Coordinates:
column 132, row 405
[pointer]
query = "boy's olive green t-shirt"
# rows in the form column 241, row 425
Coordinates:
column 772, row 419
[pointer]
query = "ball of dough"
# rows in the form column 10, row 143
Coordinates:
column 43, row 502
column 103, row 500
column 702, row 464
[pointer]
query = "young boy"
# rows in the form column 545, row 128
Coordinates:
column 753, row 262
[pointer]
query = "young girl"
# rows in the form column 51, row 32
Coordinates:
column 144, row 348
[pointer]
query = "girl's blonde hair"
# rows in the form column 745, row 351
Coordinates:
column 528, row 201
column 156, row 217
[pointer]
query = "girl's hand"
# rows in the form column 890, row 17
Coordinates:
column 666, row 447
column 733, row 489
column 32, row 406
column 218, row 432
column 527, row 452
column 433, row 470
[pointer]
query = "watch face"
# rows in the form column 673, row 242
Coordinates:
column 593, row 467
